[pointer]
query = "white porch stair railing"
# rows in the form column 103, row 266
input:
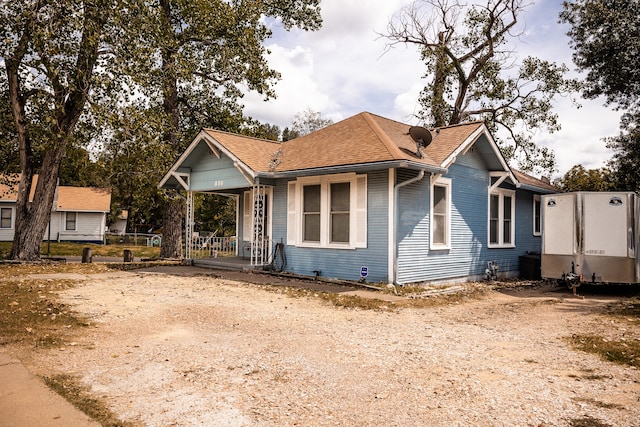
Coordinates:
column 213, row 247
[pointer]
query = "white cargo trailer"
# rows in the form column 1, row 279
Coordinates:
column 591, row 237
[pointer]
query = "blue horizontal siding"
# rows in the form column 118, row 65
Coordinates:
column 342, row 263
column 468, row 254
column 211, row 173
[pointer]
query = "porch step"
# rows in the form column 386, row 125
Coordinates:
column 221, row 264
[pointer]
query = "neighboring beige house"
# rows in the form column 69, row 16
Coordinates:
column 77, row 214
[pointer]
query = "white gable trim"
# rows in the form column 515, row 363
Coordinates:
column 217, row 149
column 501, row 177
column 466, row 144
column 470, row 141
column 183, row 179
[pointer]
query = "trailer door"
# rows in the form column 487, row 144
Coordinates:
column 606, row 224
column 559, row 232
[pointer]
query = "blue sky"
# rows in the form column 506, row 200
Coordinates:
column 344, row 68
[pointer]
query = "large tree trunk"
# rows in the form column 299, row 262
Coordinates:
column 438, row 103
column 172, row 213
column 67, row 100
column 33, row 217
column 172, row 228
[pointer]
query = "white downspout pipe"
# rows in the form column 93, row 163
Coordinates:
column 394, row 222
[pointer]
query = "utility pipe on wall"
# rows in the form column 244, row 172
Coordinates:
column 396, row 189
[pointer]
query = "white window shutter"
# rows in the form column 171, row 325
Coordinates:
column 292, row 215
column 361, row 212
column 247, row 206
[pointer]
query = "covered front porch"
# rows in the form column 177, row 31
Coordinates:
column 207, row 166
column 249, row 248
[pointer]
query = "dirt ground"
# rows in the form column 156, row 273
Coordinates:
column 188, row 347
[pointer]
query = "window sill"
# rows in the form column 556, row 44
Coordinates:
column 495, row 246
column 319, row 246
column 439, row 248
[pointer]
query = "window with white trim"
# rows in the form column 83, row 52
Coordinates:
column 537, row 215
column 440, row 214
column 70, row 221
column 311, row 213
column 502, row 218
column 340, row 208
column 328, row 211
column 6, row 217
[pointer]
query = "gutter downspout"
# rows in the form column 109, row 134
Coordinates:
column 396, row 189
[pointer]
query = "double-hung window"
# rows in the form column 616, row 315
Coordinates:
column 501, row 218
column 70, row 221
column 328, row 211
column 340, row 208
column 441, row 214
column 311, row 213
column 6, row 217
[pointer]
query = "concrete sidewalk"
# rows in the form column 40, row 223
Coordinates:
column 26, row 401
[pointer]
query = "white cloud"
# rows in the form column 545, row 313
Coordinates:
column 580, row 141
column 340, row 70
column 343, row 69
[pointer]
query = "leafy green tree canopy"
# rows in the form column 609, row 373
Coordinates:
column 605, row 36
column 55, row 57
column 580, row 179
column 190, row 61
column 308, row 121
column 471, row 73
column 626, row 158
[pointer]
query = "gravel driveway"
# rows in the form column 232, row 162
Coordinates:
column 169, row 349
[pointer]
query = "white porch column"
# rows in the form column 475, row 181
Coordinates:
column 259, row 244
column 188, row 244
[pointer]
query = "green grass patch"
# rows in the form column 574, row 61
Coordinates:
column 356, row 302
column 627, row 310
column 63, row 249
column 80, row 396
column 616, row 351
column 30, row 313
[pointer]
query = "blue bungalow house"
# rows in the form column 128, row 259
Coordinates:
column 362, row 199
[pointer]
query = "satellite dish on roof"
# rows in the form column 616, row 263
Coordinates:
column 421, row 136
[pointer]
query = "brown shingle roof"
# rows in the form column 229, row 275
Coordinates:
column 363, row 138
column 534, row 182
column 253, row 152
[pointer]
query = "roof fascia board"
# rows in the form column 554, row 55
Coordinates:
column 466, row 144
column 362, row 167
column 470, row 141
column 535, row 189
column 212, row 147
column 245, row 172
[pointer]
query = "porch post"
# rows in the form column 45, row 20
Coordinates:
column 259, row 245
column 188, row 246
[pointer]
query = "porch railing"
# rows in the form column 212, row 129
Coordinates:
column 213, row 247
